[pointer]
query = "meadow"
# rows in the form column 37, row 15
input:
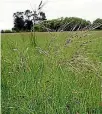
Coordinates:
column 62, row 74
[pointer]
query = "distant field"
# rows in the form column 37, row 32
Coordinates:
column 61, row 75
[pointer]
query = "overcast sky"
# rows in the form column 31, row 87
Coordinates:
column 87, row 9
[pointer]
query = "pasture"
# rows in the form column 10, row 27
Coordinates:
column 62, row 74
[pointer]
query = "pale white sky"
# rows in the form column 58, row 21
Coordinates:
column 87, row 9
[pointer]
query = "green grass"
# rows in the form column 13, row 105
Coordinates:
column 58, row 76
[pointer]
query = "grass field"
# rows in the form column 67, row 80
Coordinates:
column 61, row 75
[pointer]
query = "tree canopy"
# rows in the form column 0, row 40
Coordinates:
column 63, row 24
column 23, row 21
column 98, row 23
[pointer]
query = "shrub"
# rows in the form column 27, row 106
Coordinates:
column 6, row 31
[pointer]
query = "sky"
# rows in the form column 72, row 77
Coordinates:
column 86, row 9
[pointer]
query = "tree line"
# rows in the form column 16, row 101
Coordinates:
column 33, row 20
column 68, row 24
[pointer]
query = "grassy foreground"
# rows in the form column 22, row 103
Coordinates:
column 61, row 75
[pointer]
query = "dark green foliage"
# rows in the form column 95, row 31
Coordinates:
column 39, row 28
column 42, row 16
column 28, row 25
column 19, row 24
column 65, row 24
column 28, row 14
column 6, row 31
column 28, row 22
column 2, row 31
column 23, row 21
column 18, row 21
column 98, row 23
column 75, row 24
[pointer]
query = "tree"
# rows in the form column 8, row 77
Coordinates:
column 28, row 14
column 98, row 24
column 6, row 31
column 66, row 24
column 42, row 16
column 18, row 21
column 28, row 22
column 2, row 31
column 23, row 21
column 28, row 25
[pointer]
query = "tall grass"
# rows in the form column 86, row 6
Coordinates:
column 60, row 78
column 52, row 73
